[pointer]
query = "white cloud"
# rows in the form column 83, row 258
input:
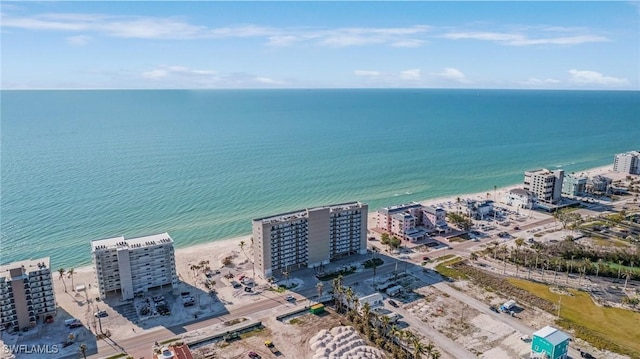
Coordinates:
column 178, row 28
column 408, row 43
column 593, row 77
column 537, row 82
column 176, row 71
column 519, row 39
column 413, row 74
column 366, row 73
column 268, row 81
column 452, row 75
column 155, row 74
column 79, row 40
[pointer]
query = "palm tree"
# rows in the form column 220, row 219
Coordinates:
column 286, row 274
column 418, row 348
column 429, row 348
column 61, row 271
column 83, row 350
column 366, row 311
column 384, row 322
column 435, row 355
column 320, row 287
column 70, row 274
column 350, row 297
column 338, row 291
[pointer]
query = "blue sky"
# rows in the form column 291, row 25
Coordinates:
column 511, row 45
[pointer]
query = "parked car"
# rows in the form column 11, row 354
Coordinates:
column 425, row 258
column 516, row 228
column 393, row 303
column 254, row 355
column 586, row 355
column 290, row 298
column 100, row 314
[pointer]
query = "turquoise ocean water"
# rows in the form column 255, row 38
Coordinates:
column 83, row 165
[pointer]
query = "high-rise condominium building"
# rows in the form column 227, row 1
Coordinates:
column 628, row 162
column 134, row 265
column 26, row 293
column 309, row 237
column 545, row 184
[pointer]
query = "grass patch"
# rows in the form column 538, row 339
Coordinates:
column 611, row 329
column 615, row 266
column 445, row 257
column 252, row 333
column 296, row 321
column 456, row 239
column 343, row 272
column 234, row 321
column 168, row 341
column 608, row 242
column 370, row 262
column 121, row 355
column 447, row 270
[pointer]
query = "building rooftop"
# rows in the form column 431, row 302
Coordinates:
column 521, row 192
column 552, row 335
column 29, row 265
column 304, row 213
column 399, row 208
column 138, row 242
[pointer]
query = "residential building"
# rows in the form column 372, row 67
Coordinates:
column 599, row 185
column 412, row 221
column 520, row 198
column 628, row 162
column 309, row 237
column 551, row 343
column 135, row 265
column 547, row 185
column 574, row 185
column 26, row 293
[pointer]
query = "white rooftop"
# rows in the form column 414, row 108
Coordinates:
column 121, row 242
column 29, row 265
column 552, row 335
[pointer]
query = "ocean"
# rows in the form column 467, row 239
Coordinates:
column 84, row 165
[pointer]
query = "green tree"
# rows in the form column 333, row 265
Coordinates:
column 70, row 274
column 62, row 271
column 418, row 348
column 83, row 350
column 395, row 242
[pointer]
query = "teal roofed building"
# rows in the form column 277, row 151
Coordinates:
column 550, row 343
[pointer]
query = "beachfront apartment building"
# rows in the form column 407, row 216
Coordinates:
column 574, row 185
column 309, row 237
column 628, row 162
column 134, row 265
column 545, row 184
column 412, row 221
column 26, row 294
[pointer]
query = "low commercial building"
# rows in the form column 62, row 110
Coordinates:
column 26, row 294
column 520, row 198
column 134, row 265
column 547, row 185
column 628, row 162
column 412, row 221
column 550, row 343
column 309, row 238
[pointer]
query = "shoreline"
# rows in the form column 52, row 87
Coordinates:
column 188, row 254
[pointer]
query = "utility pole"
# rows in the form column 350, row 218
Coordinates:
column 559, row 306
